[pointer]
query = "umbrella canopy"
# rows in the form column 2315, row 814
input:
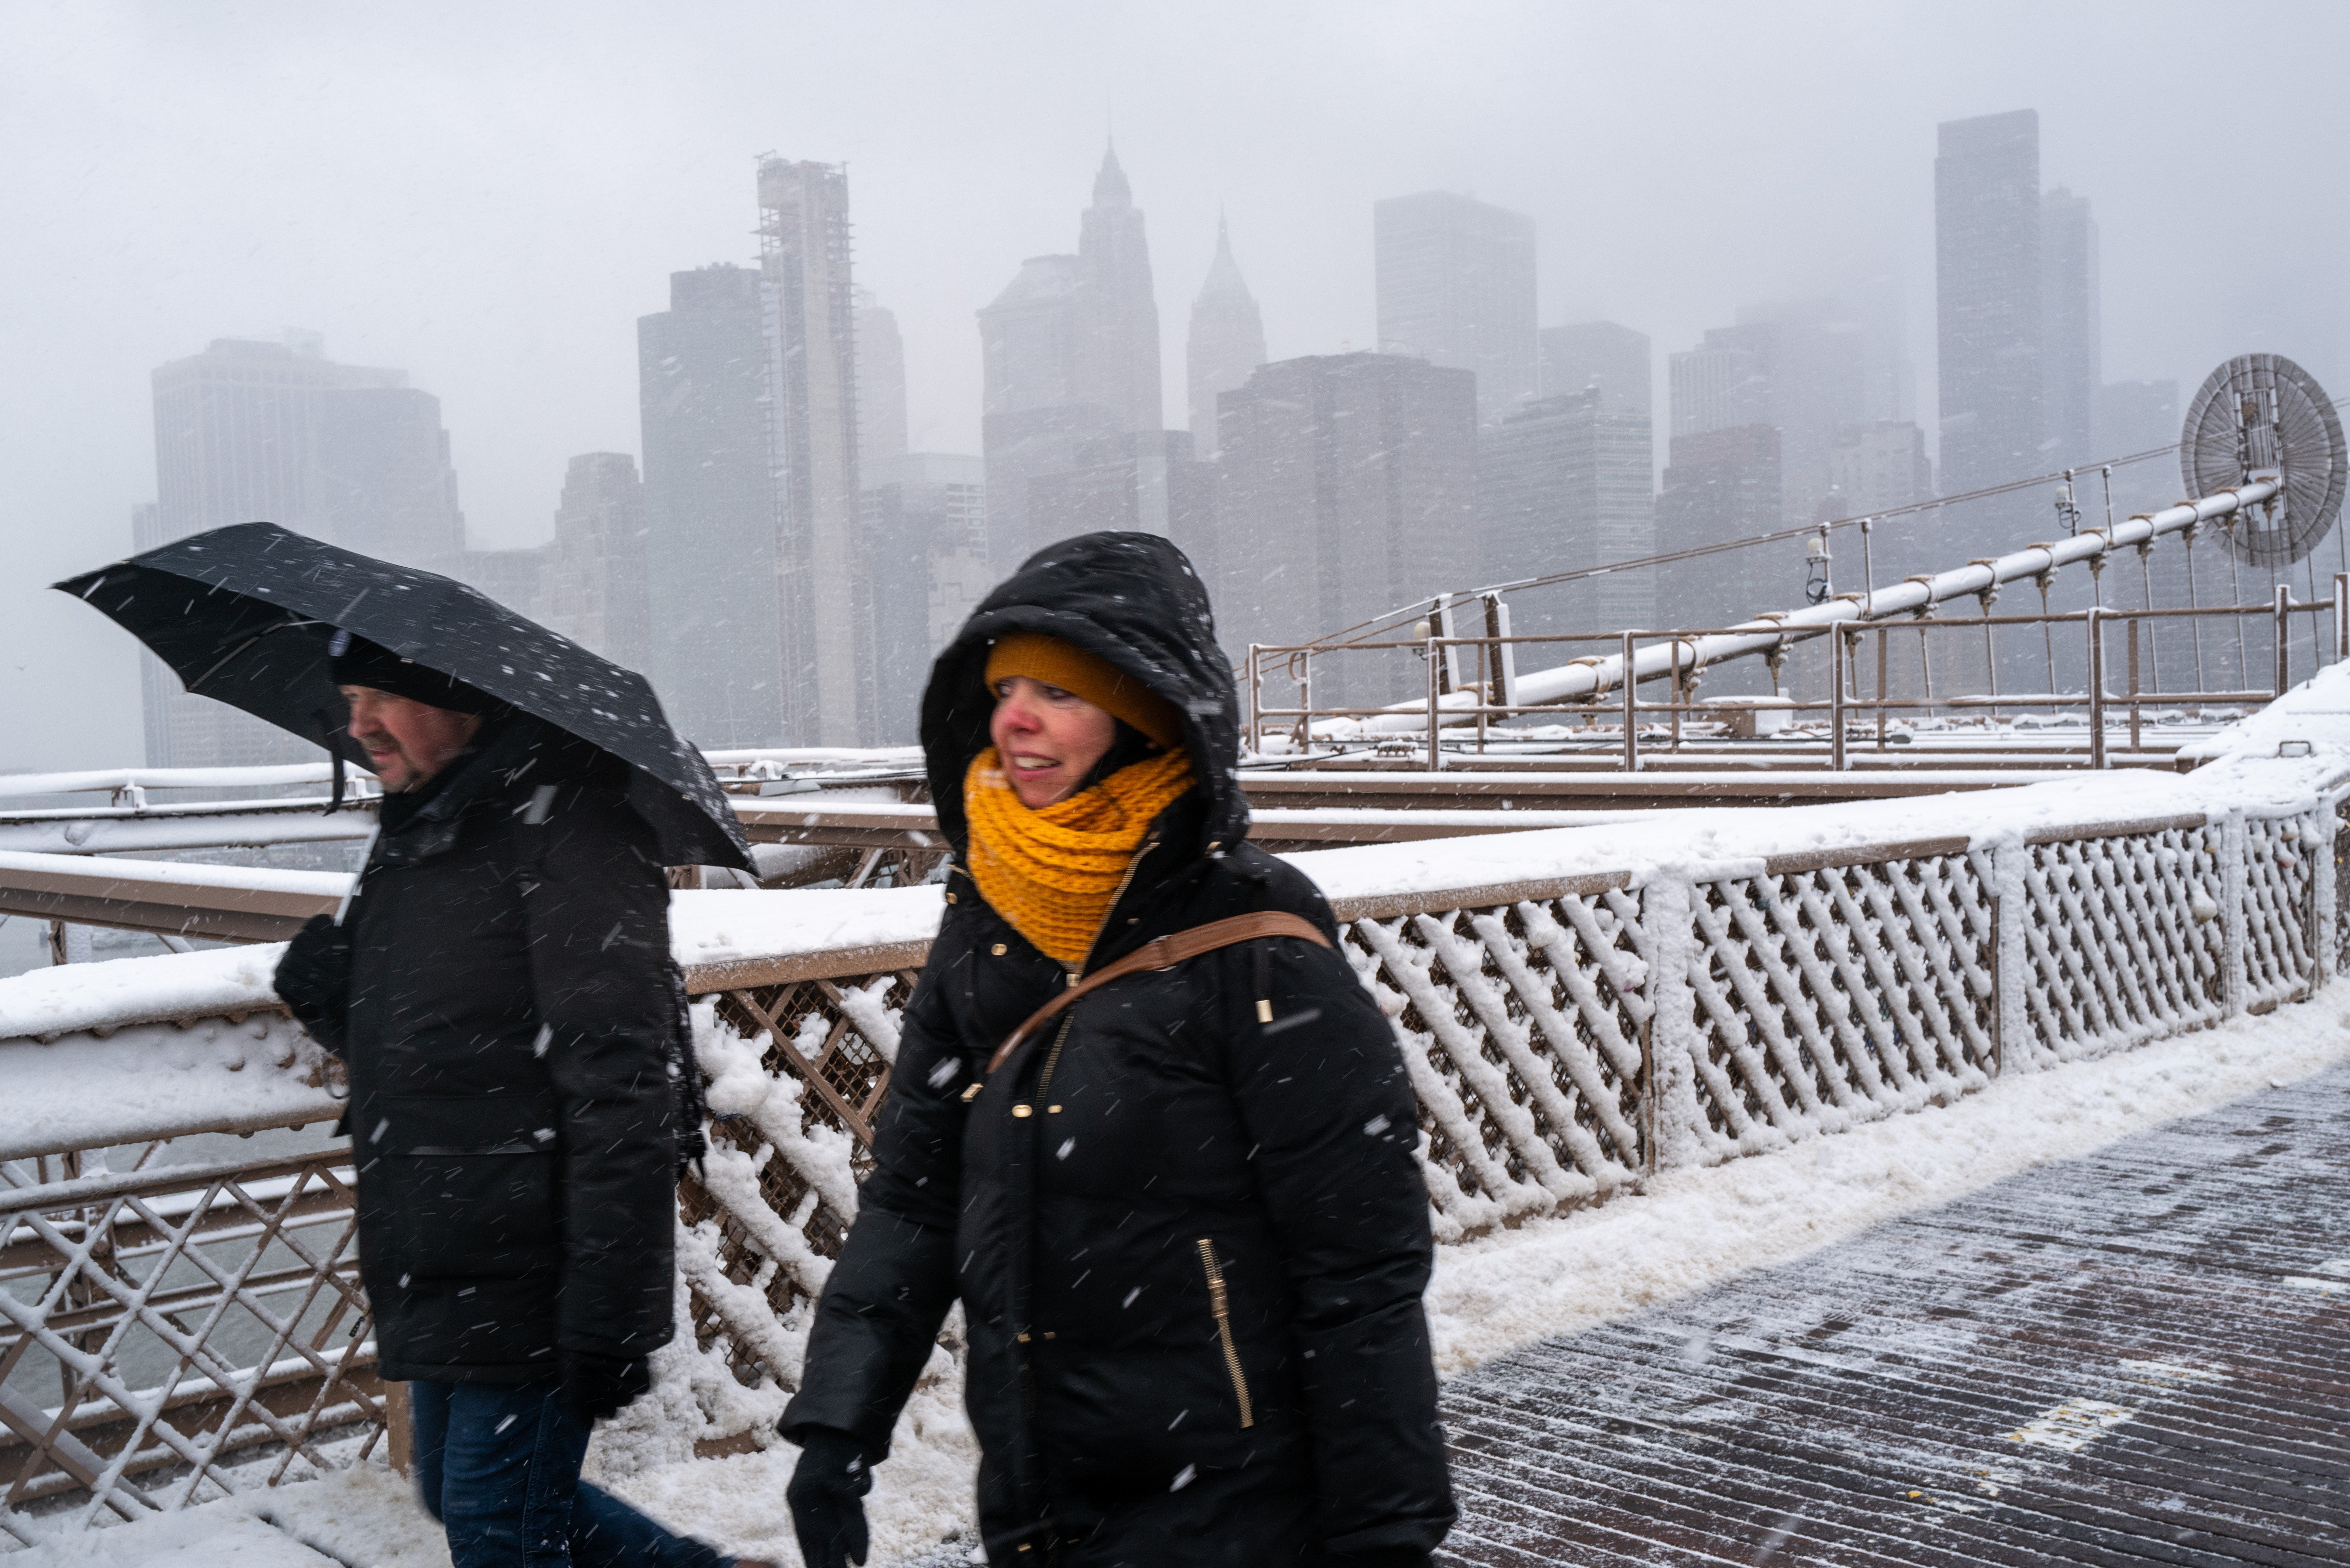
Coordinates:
column 244, row 614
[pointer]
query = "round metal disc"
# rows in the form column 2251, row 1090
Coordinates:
column 2219, row 452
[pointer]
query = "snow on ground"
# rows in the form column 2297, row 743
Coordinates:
column 1691, row 1230
column 365, row 1516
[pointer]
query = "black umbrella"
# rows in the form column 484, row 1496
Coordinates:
column 244, row 614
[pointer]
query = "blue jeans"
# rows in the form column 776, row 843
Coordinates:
column 498, row 1464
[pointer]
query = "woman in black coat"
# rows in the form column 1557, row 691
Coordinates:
column 1184, row 1218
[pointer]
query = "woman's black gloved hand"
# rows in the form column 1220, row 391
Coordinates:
column 597, row 1385
column 1379, row 1557
column 831, row 1475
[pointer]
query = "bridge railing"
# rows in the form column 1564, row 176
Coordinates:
column 1841, row 679
column 1576, row 1012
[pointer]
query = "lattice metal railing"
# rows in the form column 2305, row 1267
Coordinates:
column 1565, row 1037
column 1830, row 989
column 175, row 1334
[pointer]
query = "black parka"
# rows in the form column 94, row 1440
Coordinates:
column 501, row 989
column 1191, row 1244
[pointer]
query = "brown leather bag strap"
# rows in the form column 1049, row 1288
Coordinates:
column 1166, row 952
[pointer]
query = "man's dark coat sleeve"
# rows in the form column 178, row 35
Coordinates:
column 596, row 902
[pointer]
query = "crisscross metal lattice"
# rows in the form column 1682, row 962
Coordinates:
column 2124, row 936
column 1829, row 994
column 202, row 1329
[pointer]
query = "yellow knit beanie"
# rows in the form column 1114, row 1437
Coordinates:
column 1082, row 674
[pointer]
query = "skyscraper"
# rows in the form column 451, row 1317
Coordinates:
column 823, row 574
column 1145, row 482
column 1456, row 287
column 1349, row 488
column 1988, row 290
column 880, row 390
column 928, row 524
column 1117, row 312
column 251, row 432
column 1719, row 484
column 1227, row 342
column 594, row 588
column 1031, row 422
column 1070, row 353
column 1562, row 483
column 2071, row 362
column 1819, row 376
column 1725, row 380
column 1599, row 354
column 1877, row 466
column 710, row 511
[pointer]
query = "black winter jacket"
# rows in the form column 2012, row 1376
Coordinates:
column 501, row 990
column 1191, row 1242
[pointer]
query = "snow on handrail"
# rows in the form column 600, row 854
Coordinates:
column 281, row 775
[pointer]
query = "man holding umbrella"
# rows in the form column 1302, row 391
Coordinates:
column 500, row 985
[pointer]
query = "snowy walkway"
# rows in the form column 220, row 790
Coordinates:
column 2139, row 1356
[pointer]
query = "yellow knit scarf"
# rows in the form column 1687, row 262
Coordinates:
column 1054, row 873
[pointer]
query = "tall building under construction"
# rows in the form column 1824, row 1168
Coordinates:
column 824, row 577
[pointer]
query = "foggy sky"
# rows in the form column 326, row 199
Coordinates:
column 488, row 197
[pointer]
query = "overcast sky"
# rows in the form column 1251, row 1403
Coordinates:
column 489, row 196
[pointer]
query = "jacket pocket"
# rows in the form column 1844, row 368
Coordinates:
column 474, row 1185
column 1219, row 1302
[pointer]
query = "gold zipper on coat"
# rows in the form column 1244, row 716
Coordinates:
column 1221, row 1305
column 1053, row 1058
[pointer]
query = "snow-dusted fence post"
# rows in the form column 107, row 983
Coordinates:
column 1675, row 1041
column 2232, row 913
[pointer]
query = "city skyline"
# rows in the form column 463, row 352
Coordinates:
column 503, row 244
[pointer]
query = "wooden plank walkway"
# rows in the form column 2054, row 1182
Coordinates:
column 2142, row 1356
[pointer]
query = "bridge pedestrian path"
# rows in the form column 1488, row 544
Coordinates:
column 2137, row 1356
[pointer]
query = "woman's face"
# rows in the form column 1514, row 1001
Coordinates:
column 1047, row 739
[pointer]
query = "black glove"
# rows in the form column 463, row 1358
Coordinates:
column 597, row 1385
column 832, row 1474
column 314, row 979
column 1379, row 1557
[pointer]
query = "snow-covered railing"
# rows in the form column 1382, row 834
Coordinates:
column 1577, row 1010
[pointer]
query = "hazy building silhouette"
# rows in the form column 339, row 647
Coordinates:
column 1348, row 490
column 881, row 390
column 594, row 590
column 1725, row 382
column 259, row 432
column 1988, row 290
column 1019, row 448
column 710, row 505
column 1615, row 360
column 1819, row 384
column 1227, row 342
column 1566, row 484
column 1117, row 309
column 928, row 527
column 1146, row 482
column 1875, row 467
column 824, row 573
column 1719, row 485
column 2071, row 362
column 514, row 577
column 1456, row 287
column 1069, row 353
